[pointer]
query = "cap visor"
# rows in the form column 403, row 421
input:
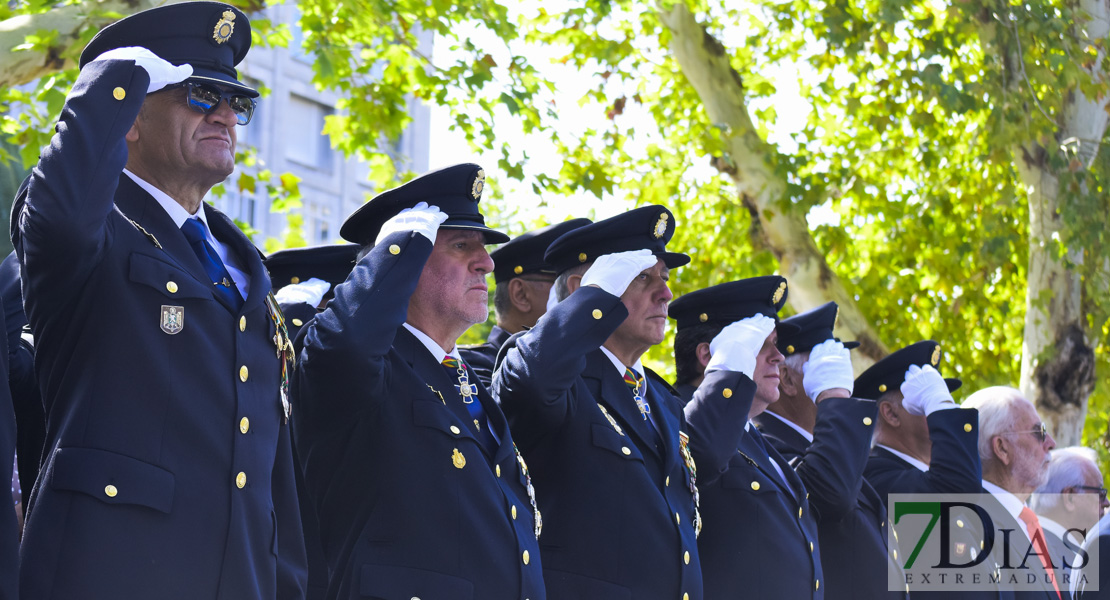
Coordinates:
column 492, row 236
column 215, row 77
column 673, row 260
column 787, row 328
column 953, row 383
column 850, row 345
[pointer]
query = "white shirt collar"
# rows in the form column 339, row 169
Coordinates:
column 638, row 367
column 802, row 432
column 906, row 457
column 175, row 210
column 432, row 346
column 1008, row 501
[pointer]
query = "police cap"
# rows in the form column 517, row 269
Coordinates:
column 455, row 190
column 729, row 302
column 332, row 263
column 524, row 253
column 644, row 228
column 814, row 327
column 889, row 373
column 213, row 37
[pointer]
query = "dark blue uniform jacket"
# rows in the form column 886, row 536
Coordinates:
column 167, row 469
column 482, row 357
column 410, row 505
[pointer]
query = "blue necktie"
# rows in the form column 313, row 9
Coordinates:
column 222, row 283
column 469, row 394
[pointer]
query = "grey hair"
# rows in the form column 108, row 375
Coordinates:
column 996, row 406
column 797, row 362
column 562, row 289
column 1065, row 470
column 501, row 303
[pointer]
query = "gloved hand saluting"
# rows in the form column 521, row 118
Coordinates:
column 738, row 344
column 310, row 292
column 925, row 391
column 422, row 219
column 613, row 272
column 829, row 367
column 161, row 72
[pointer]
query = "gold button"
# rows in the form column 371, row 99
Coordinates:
column 110, row 490
column 677, row 519
column 171, row 287
column 790, row 349
column 497, row 469
column 241, row 480
column 582, row 257
column 668, row 480
column 297, row 322
column 119, row 93
column 242, row 323
column 294, row 279
column 867, row 420
column 799, row 512
column 703, row 317
column 526, row 558
column 685, row 596
column 244, row 425
column 513, row 512
column 895, row 552
column 755, row 486
column 686, row 557
column 811, row 546
column 243, row 373
column 816, row 584
column 959, row 522
column 727, row 393
column 455, row 430
column 597, row 314
column 394, row 249
column 967, row 427
column 882, row 387
column 625, row 450
column 518, row 269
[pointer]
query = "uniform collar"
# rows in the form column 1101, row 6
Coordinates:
column 638, row 367
column 802, row 432
column 906, row 457
column 432, row 346
column 172, row 208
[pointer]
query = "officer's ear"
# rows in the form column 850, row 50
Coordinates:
column 1002, row 450
column 573, row 283
column 790, row 383
column 703, row 354
column 518, row 295
column 889, row 414
column 133, row 133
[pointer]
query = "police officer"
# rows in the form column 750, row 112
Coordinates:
column 763, row 534
column 605, row 436
column 409, row 463
column 827, row 443
column 167, row 470
column 523, row 282
column 303, row 279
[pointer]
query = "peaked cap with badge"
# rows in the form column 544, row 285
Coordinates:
column 647, row 227
column 524, row 253
column 889, row 373
column 814, row 326
column 455, row 190
column 213, row 37
column 726, row 303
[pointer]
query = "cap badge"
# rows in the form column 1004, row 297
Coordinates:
column 882, row 387
column 790, row 349
column 703, row 317
column 518, row 269
column 224, row 27
column 479, row 184
column 779, row 293
column 660, row 226
column 936, row 356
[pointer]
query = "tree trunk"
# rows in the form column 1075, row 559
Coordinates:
column 705, row 64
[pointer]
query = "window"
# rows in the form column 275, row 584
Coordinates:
column 304, row 141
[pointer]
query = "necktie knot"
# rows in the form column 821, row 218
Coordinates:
column 194, row 231
column 451, row 362
column 635, row 382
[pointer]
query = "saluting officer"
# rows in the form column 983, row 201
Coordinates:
column 827, row 443
column 303, row 279
column 761, row 534
column 160, row 352
column 605, row 437
column 523, row 282
column 409, row 463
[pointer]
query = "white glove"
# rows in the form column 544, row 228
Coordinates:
column 925, row 391
column 738, row 344
column 829, row 367
column 161, row 72
column 309, row 292
column 422, row 219
column 613, row 272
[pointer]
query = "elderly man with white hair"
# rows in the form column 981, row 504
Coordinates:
column 1065, row 502
column 1014, row 447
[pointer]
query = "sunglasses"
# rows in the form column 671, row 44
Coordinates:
column 1041, row 434
column 205, row 98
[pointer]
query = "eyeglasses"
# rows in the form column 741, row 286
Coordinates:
column 1041, row 434
column 205, row 98
column 1101, row 491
